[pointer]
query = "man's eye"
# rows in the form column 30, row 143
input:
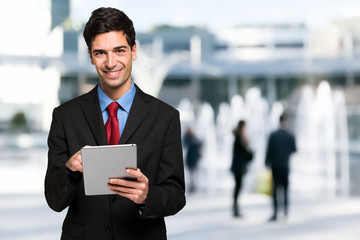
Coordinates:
column 98, row 53
column 120, row 51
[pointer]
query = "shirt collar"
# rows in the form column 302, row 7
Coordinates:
column 125, row 101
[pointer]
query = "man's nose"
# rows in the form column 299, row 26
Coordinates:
column 110, row 61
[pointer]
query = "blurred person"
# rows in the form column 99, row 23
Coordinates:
column 137, row 209
column 242, row 155
column 192, row 157
column 281, row 145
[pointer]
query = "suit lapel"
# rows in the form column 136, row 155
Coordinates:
column 137, row 114
column 92, row 112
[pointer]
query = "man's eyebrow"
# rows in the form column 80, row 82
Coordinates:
column 115, row 48
column 120, row 47
column 97, row 50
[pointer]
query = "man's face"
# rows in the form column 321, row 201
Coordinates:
column 112, row 57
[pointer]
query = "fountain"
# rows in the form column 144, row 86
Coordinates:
column 152, row 66
column 317, row 129
column 214, row 173
column 209, row 162
column 342, row 141
column 322, row 135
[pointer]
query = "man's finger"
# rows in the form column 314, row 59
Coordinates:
column 137, row 173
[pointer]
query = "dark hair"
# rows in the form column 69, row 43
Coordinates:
column 103, row 20
column 241, row 124
column 239, row 128
column 282, row 118
column 239, row 132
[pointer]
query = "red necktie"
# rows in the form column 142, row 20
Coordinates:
column 112, row 124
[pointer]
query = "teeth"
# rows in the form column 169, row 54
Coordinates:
column 113, row 73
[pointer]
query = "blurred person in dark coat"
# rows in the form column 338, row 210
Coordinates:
column 192, row 157
column 281, row 145
column 242, row 155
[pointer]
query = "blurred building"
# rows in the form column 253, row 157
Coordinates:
column 278, row 59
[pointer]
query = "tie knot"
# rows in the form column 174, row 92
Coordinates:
column 112, row 109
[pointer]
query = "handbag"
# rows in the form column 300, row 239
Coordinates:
column 263, row 184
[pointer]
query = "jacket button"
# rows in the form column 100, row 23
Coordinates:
column 108, row 229
column 113, row 199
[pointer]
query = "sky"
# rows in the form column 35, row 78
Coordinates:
column 216, row 15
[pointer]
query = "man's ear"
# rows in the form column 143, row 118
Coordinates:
column 133, row 52
column 91, row 59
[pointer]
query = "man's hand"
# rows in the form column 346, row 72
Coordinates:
column 136, row 191
column 75, row 163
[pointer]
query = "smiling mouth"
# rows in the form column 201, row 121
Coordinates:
column 113, row 73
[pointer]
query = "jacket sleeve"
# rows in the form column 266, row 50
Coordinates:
column 167, row 196
column 268, row 153
column 60, row 186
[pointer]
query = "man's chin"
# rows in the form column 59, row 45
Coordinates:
column 115, row 84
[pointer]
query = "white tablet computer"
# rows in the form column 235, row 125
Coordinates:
column 103, row 162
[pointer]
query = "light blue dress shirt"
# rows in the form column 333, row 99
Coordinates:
column 125, row 103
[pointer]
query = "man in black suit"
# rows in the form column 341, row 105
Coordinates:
column 137, row 209
column 280, row 146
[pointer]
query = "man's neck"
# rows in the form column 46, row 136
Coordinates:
column 116, row 93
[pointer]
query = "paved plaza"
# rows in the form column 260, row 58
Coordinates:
column 205, row 217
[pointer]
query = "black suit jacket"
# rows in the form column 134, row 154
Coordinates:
column 154, row 126
column 281, row 145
